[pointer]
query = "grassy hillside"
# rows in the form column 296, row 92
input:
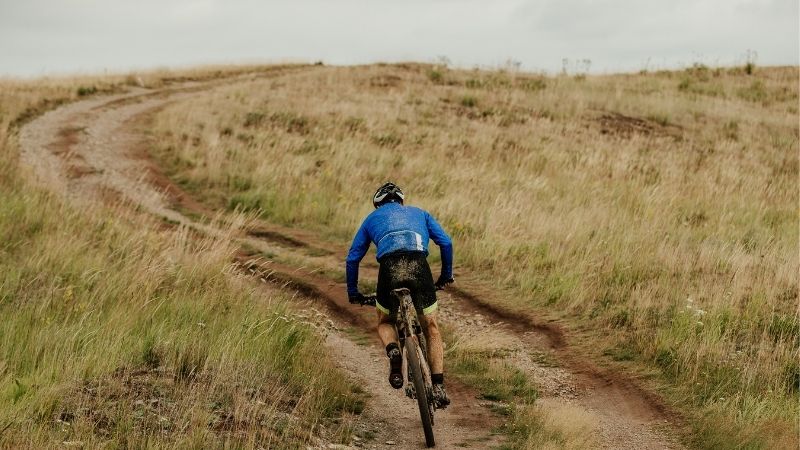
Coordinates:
column 656, row 210
column 113, row 334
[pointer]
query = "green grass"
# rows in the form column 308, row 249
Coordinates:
column 510, row 393
column 90, row 304
column 116, row 335
column 495, row 379
column 612, row 227
column 358, row 336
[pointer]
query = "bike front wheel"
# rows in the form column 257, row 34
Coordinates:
column 415, row 367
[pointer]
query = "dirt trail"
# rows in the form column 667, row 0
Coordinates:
column 90, row 151
column 95, row 150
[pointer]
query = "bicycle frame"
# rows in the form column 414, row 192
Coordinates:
column 415, row 347
column 407, row 318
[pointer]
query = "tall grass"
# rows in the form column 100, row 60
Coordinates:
column 113, row 334
column 659, row 208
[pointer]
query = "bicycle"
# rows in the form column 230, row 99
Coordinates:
column 415, row 349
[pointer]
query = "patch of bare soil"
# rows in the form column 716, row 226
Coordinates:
column 611, row 122
column 385, row 81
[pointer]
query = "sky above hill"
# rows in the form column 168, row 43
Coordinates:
column 40, row 37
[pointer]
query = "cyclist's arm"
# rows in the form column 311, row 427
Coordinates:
column 357, row 251
column 441, row 239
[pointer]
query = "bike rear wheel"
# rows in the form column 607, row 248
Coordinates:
column 412, row 353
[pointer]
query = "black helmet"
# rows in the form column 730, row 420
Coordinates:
column 387, row 193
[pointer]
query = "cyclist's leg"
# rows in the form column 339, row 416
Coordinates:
column 424, row 293
column 436, row 359
column 427, row 304
column 388, row 335
column 386, row 330
column 386, row 305
column 435, row 346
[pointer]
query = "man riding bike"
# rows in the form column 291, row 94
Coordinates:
column 401, row 234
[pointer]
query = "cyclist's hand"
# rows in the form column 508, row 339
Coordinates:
column 357, row 298
column 443, row 281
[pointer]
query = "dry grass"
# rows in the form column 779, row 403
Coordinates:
column 116, row 335
column 659, row 208
column 557, row 427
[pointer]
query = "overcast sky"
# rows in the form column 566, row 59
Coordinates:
column 39, row 37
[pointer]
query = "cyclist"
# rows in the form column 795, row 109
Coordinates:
column 401, row 234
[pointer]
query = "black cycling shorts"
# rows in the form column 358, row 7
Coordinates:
column 405, row 270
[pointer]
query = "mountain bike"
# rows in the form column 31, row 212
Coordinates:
column 415, row 350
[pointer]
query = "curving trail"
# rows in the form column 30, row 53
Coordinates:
column 95, row 150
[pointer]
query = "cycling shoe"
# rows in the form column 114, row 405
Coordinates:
column 396, row 368
column 440, row 398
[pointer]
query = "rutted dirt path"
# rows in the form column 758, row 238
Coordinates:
column 95, row 150
column 90, row 151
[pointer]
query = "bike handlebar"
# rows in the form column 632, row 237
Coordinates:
column 369, row 300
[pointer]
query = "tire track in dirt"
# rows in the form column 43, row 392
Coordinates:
column 624, row 414
column 104, row 135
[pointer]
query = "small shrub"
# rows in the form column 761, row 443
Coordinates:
column 750, row 62
column 784, row 327
column 18, row 391
column 292, row 122
column 254, row 119
column 134, row 80
column 666, row 359
column 473, row 83
column 620, row 353
column 621, row 319
column 190, row 362
column 248, row 201
column 389, row 140
column 659, row 118
column 694, row 218
column 239, row 183
column 308, row 146
column 435, row 76
column 791, row 376
column 533, row 85
column 150, row 354
column 731, row 129
column 86, row 90
column 245, row 138
column 469, row 101
column 699, row 71
column 355, row 124
column 756, row 92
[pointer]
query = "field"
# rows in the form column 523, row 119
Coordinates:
column 116, row 332
column 657, row 209
column 651, row 217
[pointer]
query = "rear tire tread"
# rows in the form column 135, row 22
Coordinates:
column 419, row 387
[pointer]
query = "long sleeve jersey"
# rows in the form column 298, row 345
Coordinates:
column 397, row 228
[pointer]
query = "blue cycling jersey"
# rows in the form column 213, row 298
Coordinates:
column 397, row 228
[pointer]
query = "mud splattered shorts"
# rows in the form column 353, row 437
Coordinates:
column 405, row 270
